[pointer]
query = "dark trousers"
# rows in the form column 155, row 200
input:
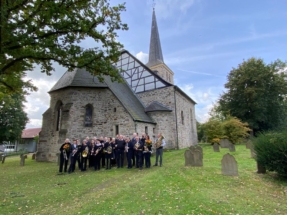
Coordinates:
column 120, row 158
column 159, row 153
column 129, row 159
column 139, row 156
column 92, row 161
column 63, row 162
column 147, row 159
column 98, row 162
column 108, row 163
column 103, row 159
column 73, row 160
column 84, row 163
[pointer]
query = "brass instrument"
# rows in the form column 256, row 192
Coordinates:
column 109, row 149
column 137, row 145
column 98, row 149
column 93, row 150
column 74, row 152
column 85, row 152
column 159, row 142
column 65, row 154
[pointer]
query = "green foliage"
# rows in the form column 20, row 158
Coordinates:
column 235, row 130
column 271, row 151
column 256, row 93
column 42, row 32
column 36, row 138
column 200, row 131
column 12, row 117
column 213, row 130
column 231, row 128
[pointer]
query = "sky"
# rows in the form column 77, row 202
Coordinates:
column 201, row 40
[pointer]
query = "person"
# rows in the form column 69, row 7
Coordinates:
column 92, row 154
column 159, row 149
column 65, row 150
column 73, row 156
column 109, row 153
column 98, row 155
column 84, row 155
column 138, row 149
column 143, row 138
column 113, row 159
column 130, row 152
column 146, row 155
column 78, row 158
column 133, row 143
column 120, row 147
column 102, row 152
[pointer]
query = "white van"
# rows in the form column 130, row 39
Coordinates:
column 9, row 148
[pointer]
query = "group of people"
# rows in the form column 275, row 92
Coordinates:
column 105, row 152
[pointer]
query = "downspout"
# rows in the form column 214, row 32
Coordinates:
column 135, row 126
column 175, row 119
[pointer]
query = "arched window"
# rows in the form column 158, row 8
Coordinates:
column 59, row 112
column 182, row 118
column 88, row 115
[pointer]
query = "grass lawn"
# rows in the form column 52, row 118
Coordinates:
column 172, row 189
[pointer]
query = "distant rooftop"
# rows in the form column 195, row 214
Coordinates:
column 30, row 133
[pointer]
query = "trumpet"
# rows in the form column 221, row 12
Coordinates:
column 74, row 152
column 65, row 154
column 99, row 149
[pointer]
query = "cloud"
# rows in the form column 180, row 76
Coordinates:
column 34, row 123
column 143, row 57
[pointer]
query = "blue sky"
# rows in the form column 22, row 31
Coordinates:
column 202, row 40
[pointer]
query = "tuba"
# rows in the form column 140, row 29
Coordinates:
column 159, row 142
column 109, row 149
column 85, row 152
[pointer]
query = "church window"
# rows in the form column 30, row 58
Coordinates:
column 117, row 130
column 146, row 129
column 153, row 130
column 89, row 115
column 115, row 109
column 182, row 118
column 59, row 112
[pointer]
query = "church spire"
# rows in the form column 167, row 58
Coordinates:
column 155, row 53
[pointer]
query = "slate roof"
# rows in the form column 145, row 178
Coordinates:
column 155, row 52
column 77, row 78
column 30, row 132
column 129, row 100
column 82, row 78
column 156, row 106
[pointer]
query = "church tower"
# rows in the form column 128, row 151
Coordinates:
column 156, row 62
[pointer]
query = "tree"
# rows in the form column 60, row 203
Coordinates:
column 256, row 94
column 200, row 131
column 235, row 130
column 43, row 32
column 12, row 117
column 213, row 130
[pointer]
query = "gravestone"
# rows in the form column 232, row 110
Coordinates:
column 229, row 165
column 33, row 156
column 188, row 158
column 22, row 159
column 248, row 144
column 232, row 147
column 253, row 153
column 224, row 143
column 216, row 147
column 3, row 157
column 260, row 169
column 194, row 156
column 58, row 158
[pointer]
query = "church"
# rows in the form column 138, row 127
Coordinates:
column 147, row 102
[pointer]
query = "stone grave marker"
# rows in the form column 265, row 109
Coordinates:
column 260, row 169
column 22, row 159
column 188, row 158
column 253, row 153
column 3, row 157
column 232, row 147
column 248, row 144
column 229, row 165
column 34, row 156
column 224, row 143
column 216, row 147
column 194, row 156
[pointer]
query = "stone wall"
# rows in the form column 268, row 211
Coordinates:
column 166, row 121
column 164, row 72
column 186, row 123
column 107, row 113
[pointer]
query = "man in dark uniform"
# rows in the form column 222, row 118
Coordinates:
column 73, row 156
column 138, row 149
column 120, row 149
column 64, row 155
column 133, row 142
column 130, row 152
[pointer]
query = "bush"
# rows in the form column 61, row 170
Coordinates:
column 271, row 151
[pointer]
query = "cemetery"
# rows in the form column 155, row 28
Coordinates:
column 195, row 180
